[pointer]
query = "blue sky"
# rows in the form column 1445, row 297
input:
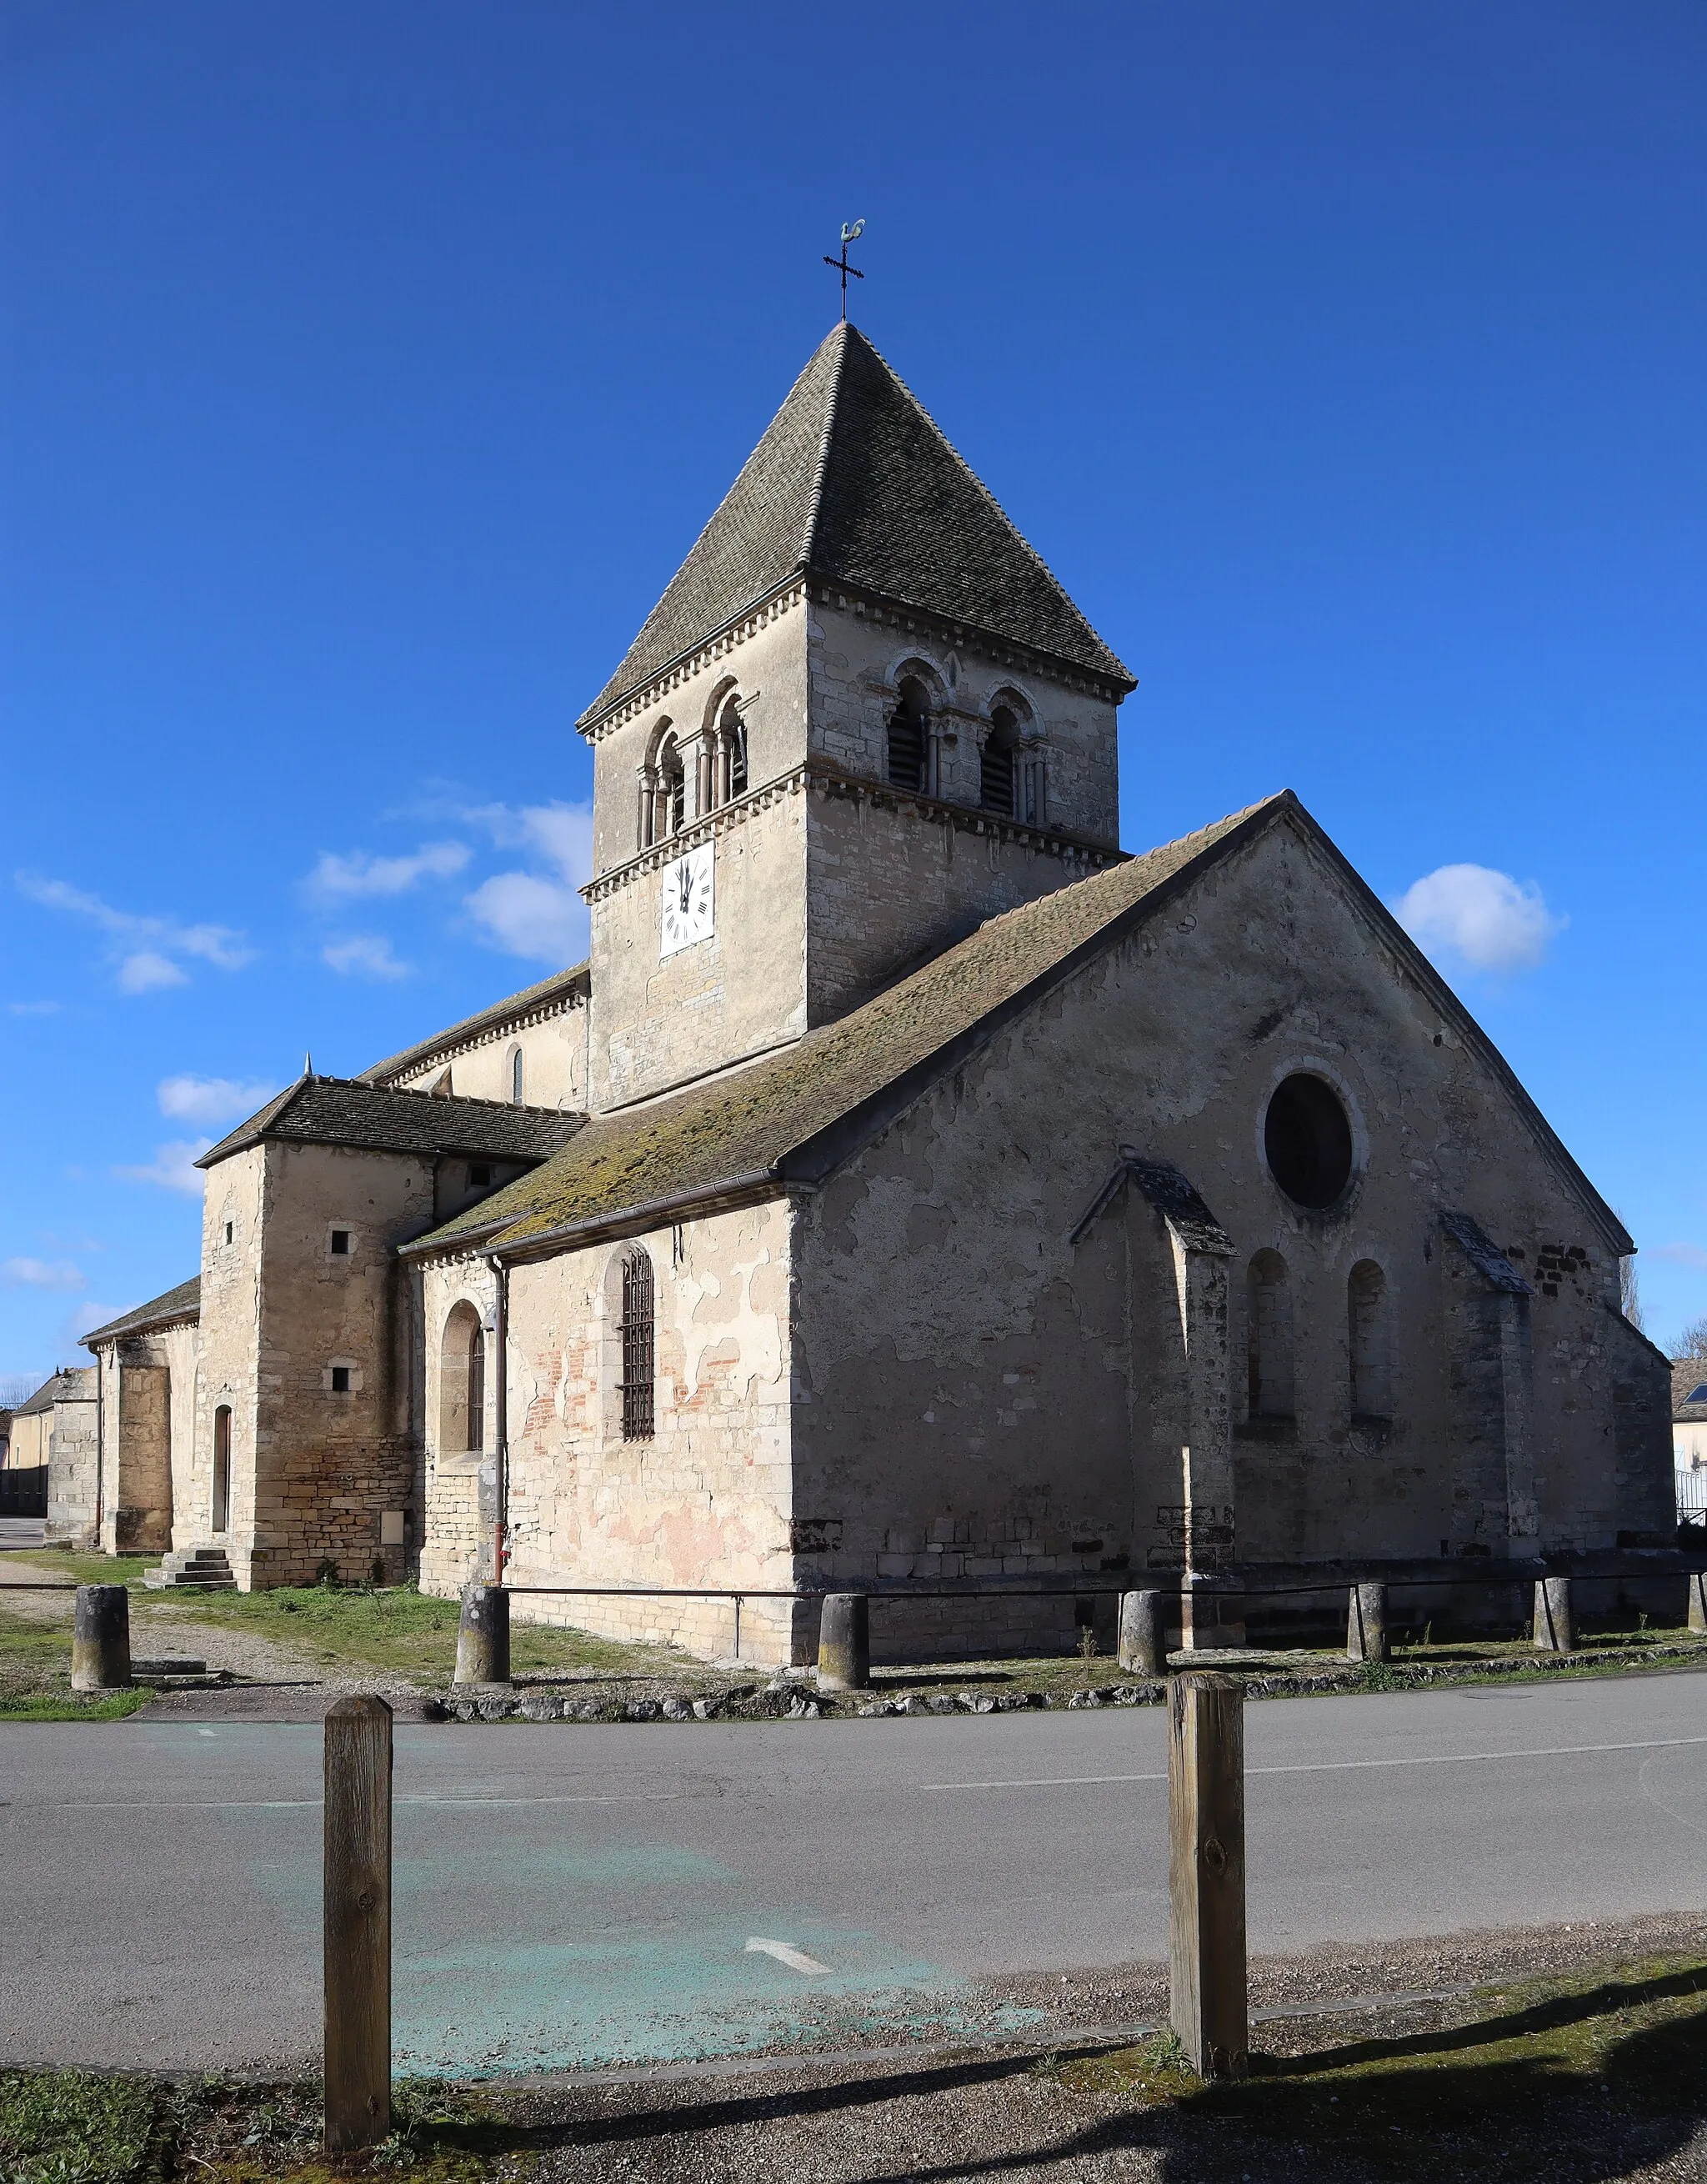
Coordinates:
column 368, row 370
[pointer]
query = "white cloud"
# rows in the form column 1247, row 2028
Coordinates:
column 212, row 1100
column 142, row 973
column 1487, row 919
column 536, row 914
column 524, row 914
column 172, row 1167
column 34, row 1008
column 342, row 879
column 146, row 949
column 366, row 955
column 42, row 1274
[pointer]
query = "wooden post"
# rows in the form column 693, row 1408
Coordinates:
column 482, row 1639
column 101, row 1639
column 358, row 1916
column 1698, row 1600
column 1556, row 1625
column 1143, row 1648
column 844, row 1642
column 1365, row 1625
column 1206, row 1823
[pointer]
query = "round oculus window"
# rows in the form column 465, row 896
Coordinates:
column 1307, row 1137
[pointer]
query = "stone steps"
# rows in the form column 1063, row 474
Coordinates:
column 201, row 1569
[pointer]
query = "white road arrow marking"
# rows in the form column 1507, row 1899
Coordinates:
column 786, row 1954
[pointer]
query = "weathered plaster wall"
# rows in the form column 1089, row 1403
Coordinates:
column 554, row 1052
column 706, row 1501
column 977, row 1395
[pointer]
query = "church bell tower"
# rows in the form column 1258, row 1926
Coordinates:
column 863, row 719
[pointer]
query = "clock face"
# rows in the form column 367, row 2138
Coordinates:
column 687, row 905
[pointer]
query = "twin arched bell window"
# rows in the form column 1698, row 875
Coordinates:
column 1010, row 776
column 688, row 776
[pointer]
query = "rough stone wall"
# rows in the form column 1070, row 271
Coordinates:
column 234, row 1206
column 661, row 1020
column 971, row 1386
column 705, row 1500
column 553, row 1053
column 894, row 880
column 148, row 1440
column 72, row 1454
column 657, row 1021
column 330, row 1462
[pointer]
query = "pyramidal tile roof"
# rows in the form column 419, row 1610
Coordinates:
column 854, row 482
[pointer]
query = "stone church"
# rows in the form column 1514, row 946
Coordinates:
column 915, row 1189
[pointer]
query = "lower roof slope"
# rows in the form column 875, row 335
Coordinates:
column 184, row 1302
column 795, row 1115
column 744, row 1126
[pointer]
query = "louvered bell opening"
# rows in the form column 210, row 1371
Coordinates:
column 996, row 790
column 907, row 748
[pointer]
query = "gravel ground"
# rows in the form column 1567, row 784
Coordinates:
column 1023, row 2116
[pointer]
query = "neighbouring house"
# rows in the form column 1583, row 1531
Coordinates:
column 54, row 1436
column 914, row 1189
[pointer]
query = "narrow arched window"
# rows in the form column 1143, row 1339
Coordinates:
column 1000, row 761
column 1370, row 1342
column 639, row 1347
column 737, row 734
column 672, row 789
column 476, row 1388
column 910, row 726
column 462, row 1383
column 1268, row 1326
column 222, row 1468
column 515, row 1078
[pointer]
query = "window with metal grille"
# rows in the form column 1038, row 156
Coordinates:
column 476, row 1388
column 638, row 1328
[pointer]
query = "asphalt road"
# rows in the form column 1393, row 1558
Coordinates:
column 577, row 1895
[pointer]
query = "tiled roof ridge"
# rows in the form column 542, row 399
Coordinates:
column 519, row 1003
column 183, row 1300
column 996, row 508
column 826, row 441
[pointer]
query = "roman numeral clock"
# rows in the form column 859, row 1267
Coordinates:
column 686, row 908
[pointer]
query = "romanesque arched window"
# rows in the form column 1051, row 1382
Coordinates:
column 638, row 1329
column 462, row 1383
column 1269, row 1333
column 515, row 1077
column 910, row 728
column 1000, row 766
column 1370, row 1342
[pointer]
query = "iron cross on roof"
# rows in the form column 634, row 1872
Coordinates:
column 849, row 234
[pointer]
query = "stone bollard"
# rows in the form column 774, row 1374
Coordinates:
column 1366, row 1625
column 1143, row 1648
column 1555, row 1626
column 1698, row 1600
column 101, row 1639
column 844, row 1643
column 482, row 1640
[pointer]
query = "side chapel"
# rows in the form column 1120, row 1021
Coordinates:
column 913, row 1187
